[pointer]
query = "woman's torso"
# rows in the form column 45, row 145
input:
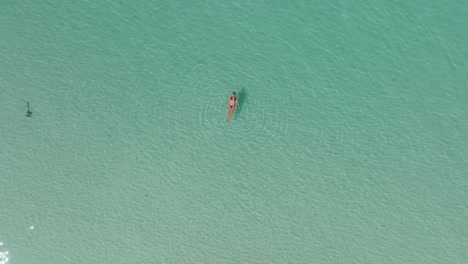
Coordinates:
column 232, row 100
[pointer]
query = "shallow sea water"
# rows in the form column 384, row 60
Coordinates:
column 350, row 145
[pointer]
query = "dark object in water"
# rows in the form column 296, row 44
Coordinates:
column 28, row 113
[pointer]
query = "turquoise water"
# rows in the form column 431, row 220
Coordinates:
column 350, row 145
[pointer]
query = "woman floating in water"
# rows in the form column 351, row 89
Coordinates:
column 232, row 100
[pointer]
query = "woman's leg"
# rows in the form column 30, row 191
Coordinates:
column 231, row 109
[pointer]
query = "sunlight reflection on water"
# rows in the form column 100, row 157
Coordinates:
column 3, row 257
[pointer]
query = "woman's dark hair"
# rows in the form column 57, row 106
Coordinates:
column 234, row 93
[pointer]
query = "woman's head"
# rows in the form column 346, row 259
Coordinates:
column 233, row 93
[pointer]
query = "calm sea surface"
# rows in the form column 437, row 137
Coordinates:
column 350, row 146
